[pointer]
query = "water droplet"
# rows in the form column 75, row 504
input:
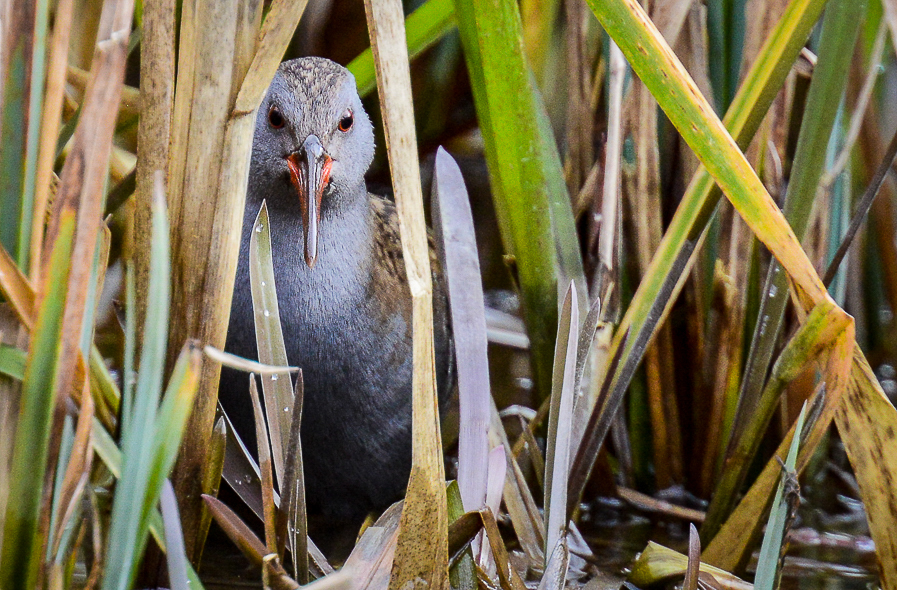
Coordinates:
column 267, row 313
column 258, row 228
column 263, row 283
column 274, row 377
column 773, row 290
column 286, row 409
column 524, row 383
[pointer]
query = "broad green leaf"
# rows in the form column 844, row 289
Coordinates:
column 527, row 182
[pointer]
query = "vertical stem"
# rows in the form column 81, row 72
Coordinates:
column 422, row 551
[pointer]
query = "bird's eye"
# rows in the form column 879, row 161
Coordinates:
column 275, row 118
column 346, row 120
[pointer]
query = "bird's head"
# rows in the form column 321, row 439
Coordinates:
column 312, row 133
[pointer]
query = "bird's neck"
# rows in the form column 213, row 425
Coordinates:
column 342, row 268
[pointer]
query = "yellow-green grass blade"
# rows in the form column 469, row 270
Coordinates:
column 522, row 168
column 735, row 539
column 818, row 331
column 839, row 33
column 691, row 114
column 743, row 118
column 172, row 419
column 658, row 563
column 666, row 274
column 20, row 555
column 423, row 28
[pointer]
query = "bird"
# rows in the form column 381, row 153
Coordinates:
column 344, row 299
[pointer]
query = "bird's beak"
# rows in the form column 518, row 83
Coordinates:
column 310, row 173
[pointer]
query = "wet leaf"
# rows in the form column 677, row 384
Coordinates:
column 658, row 563
column 278, row 392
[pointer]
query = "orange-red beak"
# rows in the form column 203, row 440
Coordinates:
column 310, row 173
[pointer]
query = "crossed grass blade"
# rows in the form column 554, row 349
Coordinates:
column 731, row 546
column 836, row 47
column 665, row 276
column 814, row 337
column 690, row 113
